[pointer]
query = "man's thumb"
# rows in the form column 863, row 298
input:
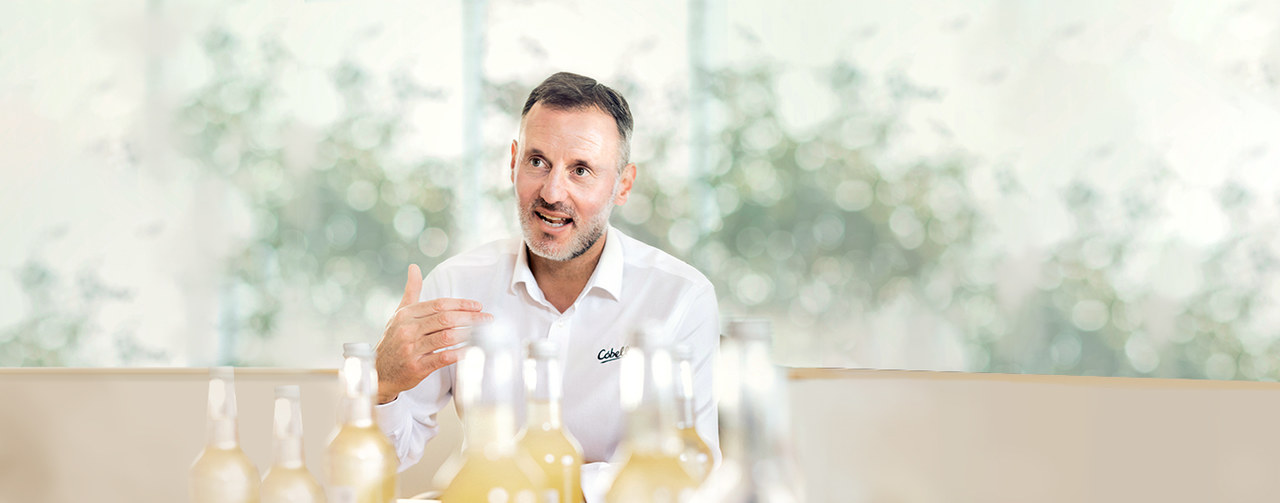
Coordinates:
column 412, row 286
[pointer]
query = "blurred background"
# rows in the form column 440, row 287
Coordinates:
column 1084, row 188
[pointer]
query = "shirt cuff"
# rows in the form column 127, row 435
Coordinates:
column 393, row 416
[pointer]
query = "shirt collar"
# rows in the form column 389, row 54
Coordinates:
column 607, row 276
column 608, row 273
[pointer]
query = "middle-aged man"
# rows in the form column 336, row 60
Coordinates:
column 572, row 279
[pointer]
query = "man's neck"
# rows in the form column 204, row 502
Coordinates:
column 562, row 281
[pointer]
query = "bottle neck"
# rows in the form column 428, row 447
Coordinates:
column 543, row 408
column 222, row 414
column 543, row 415
column 488, row 380
column 651, row 423
column 222, row 434
column 288, row 433
column 357, row 411
column 491, row 429
column 684, row 394
column 757, row 425
column 359, row 382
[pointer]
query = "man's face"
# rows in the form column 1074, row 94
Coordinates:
column 565, row 169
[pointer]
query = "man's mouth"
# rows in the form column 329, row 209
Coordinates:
column 553, row 221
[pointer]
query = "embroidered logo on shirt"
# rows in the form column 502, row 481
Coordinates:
column 609, row 354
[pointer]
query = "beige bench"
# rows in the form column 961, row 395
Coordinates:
column 69, row 436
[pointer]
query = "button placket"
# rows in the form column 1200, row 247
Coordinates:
column 560, row 328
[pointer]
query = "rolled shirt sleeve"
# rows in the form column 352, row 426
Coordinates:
column 409, row 421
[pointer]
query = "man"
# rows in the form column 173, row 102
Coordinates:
column 572, row 279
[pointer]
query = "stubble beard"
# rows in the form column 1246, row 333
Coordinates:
column 540, row 244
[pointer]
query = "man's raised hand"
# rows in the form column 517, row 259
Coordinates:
column 412, row 346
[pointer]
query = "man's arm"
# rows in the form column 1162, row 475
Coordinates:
column 409, row 421
column 416, row 348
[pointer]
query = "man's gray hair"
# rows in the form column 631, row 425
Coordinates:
column 570, row 91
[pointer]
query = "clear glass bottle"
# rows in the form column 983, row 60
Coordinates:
column 222, row 473
column 651, row 471
column 758, row 465
column 362, row 464
column 492, row 468
column 544, row 438
column 288, row 480
column 694, row 453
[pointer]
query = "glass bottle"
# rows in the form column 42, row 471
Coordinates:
column 492, row 468
column 288, row 480
column 695, row 453
column 362, row 465
column 758, row 466
column 544, row 438
column 651, row 471
column 222, row 473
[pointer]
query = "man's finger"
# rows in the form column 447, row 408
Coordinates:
column 436, row 361
column 412, row 286
column 442, row 339
column 453, row 319
column 436, row 306
column 409, row 330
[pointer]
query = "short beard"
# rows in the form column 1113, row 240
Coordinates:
column 577, row 246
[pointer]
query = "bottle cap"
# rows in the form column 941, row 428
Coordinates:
column 288, row 391
column 357, row 349
column 544, row 348
column 682, row 352
column 222, row 373
column 651, row 334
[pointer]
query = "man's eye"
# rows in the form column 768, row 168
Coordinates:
column 536, row 162
column 581, row 171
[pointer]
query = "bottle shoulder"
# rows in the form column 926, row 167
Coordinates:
column 351, row 438
column 223, row 457
column 546, row 438
column 288, row 481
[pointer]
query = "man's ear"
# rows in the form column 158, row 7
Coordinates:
column 513, row 160
column 628, row 179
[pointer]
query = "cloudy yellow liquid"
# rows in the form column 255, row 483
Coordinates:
column 291, row 485
column 362, row 466
column 493, row 470
column 558, row 457
column 695, row 455
column 652, row 478
column 502, row 479
column 223, row 476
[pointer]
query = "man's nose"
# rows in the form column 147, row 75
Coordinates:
column 554, row 189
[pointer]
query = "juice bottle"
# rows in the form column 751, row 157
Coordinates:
column 288, row 480
column 651, row 470
column 362, row 465
column 492, row 468
column 758, row 465
column 544, row 438
column 694, row 453
column 222, row 473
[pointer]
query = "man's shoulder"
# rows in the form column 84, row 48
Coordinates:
column 650, row 259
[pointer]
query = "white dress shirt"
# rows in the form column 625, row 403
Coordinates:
column 633, row 283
